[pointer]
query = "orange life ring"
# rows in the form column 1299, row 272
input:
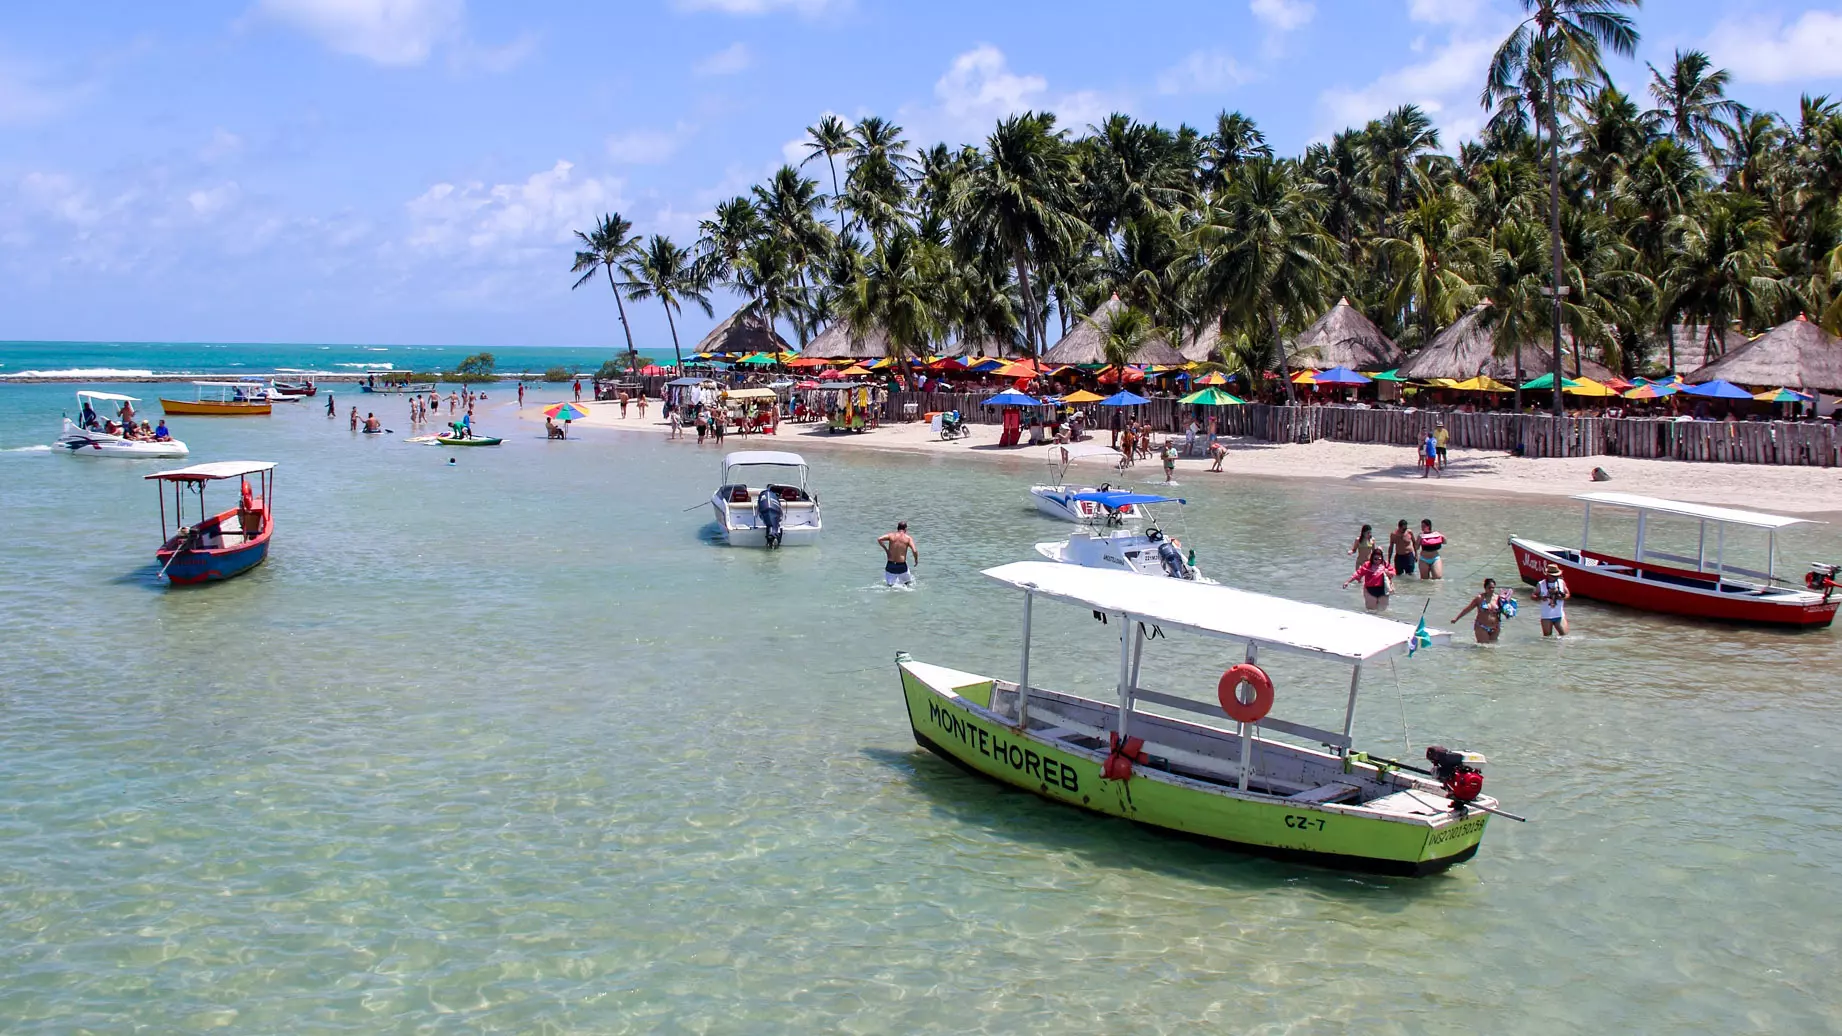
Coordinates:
column 1246, row 712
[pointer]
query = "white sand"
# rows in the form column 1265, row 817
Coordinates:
column 1791, row 490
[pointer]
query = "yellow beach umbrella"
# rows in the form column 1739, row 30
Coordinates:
column 1082, row 396
column 1212, row 379
column 1305, row 378
column 1588, row 387
column 1481, row 384
column 853, row 371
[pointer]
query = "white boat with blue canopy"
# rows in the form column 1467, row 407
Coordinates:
column 90, row 435
column 1147, row 551
column 765, row 501
column 1215, row 770
column 1058, row 499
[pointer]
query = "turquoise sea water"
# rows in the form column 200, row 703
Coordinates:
column 511, row 745
column 129, row 359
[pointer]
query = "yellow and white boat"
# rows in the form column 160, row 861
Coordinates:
column 219, row 399
column 1233, row 783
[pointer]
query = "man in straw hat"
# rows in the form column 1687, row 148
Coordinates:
column 1552, row 592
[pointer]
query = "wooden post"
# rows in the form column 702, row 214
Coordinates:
column 1247, row 729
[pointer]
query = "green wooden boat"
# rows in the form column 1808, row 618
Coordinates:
column 477, row 440
column 1231, row 782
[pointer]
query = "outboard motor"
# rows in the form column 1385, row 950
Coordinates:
column 1169, row 555
column 1822, row 577
column 770, row 510
column 1459, row 772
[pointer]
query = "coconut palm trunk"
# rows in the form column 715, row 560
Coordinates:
column 621, row 308
column 676, row 354
column 1279, row 349
column 1029, row 304
column 1554, row 229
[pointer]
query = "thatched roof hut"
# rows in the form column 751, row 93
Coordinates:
column 1468, row 348
column 972, row 348
column 834, row 343
column 1344, row 337
column 1082, row 344
column 1203, row 346
column 1796, row 354
column 744, row 332
column 1692, row 346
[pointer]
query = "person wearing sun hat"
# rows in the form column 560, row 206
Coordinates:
column 1552, row 592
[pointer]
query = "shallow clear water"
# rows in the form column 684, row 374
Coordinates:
column 511, row 745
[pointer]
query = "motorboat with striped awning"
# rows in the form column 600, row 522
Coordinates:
column 1705, row 585
column 1227, row 769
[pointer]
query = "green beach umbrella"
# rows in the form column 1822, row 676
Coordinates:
column 1546, row 381
column 1211, row 397
column 1393, row 375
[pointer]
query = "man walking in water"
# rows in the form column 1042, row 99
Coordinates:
column 897, row 546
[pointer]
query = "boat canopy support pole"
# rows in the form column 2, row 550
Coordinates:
column 1349, row 711
column 1720, row 553
column 1586, row 531
column 1247, row 729
column 1701, row 547
column 1771, row 557
column 1639, row 556
column 1126, row 628
column 1023, row 674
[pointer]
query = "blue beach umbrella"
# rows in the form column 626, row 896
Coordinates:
column 1124, row 398
column 1012, row 397
column 1718, row 389
column 1340, row 376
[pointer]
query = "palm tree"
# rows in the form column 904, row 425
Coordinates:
column 605, row 248
column 1428, row 255
column 1019, row 197
column 1559, row 37
column 788, row 205
column 727, row 232
column 668, row 273
column 1266, row 257
column 830, row 137
column 1123, row 333
column 899, row 293
column 1692, row 103
column 1722, row 270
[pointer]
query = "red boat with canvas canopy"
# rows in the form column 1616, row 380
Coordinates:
column 1703, row 586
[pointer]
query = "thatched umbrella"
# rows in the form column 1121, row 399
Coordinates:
column 1795, row 354
column 1082, row 344
column 744, row 332
column 835, row 344
column 1469, row 348
column 1344, row 337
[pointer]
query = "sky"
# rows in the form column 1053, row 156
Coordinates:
column 410, row 171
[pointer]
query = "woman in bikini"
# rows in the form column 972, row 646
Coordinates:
column 1431, row 566
column 1374, row 574
column 1489, row 606
column 1365, row 542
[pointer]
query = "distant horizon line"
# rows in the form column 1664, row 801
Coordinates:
column 337, row 345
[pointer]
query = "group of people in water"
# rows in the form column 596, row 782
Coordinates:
column 1409, row 552
column 125, row 426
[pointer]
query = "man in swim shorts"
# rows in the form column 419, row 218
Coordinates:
column 897, row 546
column 1403, row 546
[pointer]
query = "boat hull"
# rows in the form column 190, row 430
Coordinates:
column 211, row 565
column 1122, row 552
column 1672, row 591
column 478, row 440
column 211, row 408
column 952, row 723
column 799, row 527
column 1059, row 502
column 417, row 389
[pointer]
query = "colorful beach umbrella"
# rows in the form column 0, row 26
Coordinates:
column 653, row 370
column 1546, row 381
column 1111, row 376
column 1718, row 389
column 1588, row 387
column 1082, row 396
column 1012, row 397
column 807, row 361
column 1393, row 375
column 1783, row 395
column 1305, row 378
column 1124, row 398
column 1340, row 376
column 853, row 371
column 1211, row 397
column 565, row 412
column 1481, row 384
column 1651, row 391
column 1212, row 378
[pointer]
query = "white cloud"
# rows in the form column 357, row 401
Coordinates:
column 1203, row 72
column 1283, row 15
column 388, row 32
column 208, row 202
column 1808, row 48
column 1445, row 86
column 647, row 146
column 26, row 95
column 505, row 222
column 979, row 88
column 223, row 144
column 809, row 8
column 470, row 56
column 1444, row 12
column 726, row 62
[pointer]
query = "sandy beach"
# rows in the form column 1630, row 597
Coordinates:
column 1815, row 492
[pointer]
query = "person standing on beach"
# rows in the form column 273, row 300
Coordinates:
column 330, row 412
column 897, row 546
column 1429, row 457
column 1169, row 456
column 1431, row 543
column 578, row 390
column 1552, row 593
column 521, row 395
column 1402, row 546
column 1217, row 451
column 1440, row 438
column 1189, row 437
column 676, row 422
column 703, row 425
column 641, row 401
column 623, row 404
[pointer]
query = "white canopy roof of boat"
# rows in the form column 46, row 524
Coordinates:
column 1080, row 450
column 1218, row 611
column 1702, row 512
column 746, row 457
column 113, row 397
column 213, row 471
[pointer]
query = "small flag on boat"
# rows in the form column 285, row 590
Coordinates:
column 1420, row 638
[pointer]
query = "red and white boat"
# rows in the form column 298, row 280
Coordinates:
column 1703, row 586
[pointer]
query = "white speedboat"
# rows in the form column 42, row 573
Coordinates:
column 1147, row 551
column 1060, row 500
column 94, row 442
column 748, row 521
